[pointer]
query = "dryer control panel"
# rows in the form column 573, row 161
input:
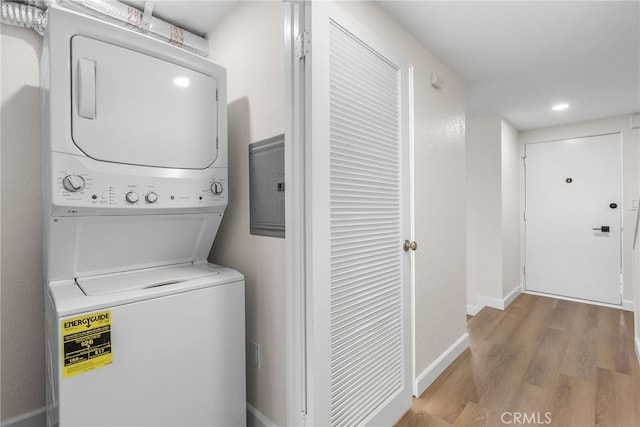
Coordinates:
column 79, row 186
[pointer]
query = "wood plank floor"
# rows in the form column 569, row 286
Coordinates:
column 542, row 361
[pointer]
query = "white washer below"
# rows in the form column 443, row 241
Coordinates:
column 176, row 339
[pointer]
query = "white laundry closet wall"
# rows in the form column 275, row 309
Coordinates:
column 249, row 43
column 21, row 287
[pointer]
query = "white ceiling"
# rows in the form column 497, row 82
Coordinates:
column 518, row 58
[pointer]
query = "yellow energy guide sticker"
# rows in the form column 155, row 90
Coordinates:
column 86, row 343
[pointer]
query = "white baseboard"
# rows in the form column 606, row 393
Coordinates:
column 36, row 418
column 511, row 296
column 472, row 310
column 638, row 348
column 499, row 303
column 433, row 371
column 628, row 305
column 256, row 419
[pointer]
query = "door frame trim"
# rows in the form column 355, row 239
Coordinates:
column 295, row 215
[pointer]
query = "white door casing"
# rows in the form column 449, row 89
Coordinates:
column 573, row 188
column 358, row 276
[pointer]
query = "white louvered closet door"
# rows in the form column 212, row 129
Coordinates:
column 360, row 275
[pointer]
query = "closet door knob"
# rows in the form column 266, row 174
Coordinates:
column 409, row 245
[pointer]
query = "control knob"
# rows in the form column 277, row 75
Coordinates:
column 73, row 183
column 151, row 197
column 132, row 197
column 216, row 188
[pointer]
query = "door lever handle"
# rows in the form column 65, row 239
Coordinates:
column 603, row 229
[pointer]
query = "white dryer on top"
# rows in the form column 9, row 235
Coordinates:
column 134, row 132
column 122, row 117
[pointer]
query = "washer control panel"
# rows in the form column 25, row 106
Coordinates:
column 74, row 187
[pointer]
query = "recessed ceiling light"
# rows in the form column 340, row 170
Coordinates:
column 560, row 107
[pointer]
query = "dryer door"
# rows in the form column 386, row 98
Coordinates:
column 133, row 108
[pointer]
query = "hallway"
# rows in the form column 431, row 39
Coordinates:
column 542, row 361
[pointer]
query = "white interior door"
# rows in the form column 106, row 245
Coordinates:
column 359, row 278
column 573, row 218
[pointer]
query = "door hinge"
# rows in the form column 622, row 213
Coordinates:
column 303, row 44
column 216, row 94
column 524, row 270
column 524, row 160
column 524, row 216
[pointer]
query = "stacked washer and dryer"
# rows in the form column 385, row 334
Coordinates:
column 140, row 329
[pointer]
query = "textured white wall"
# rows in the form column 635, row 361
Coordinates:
column 630, row 174
column 484, row 208
column 511, row 218
column 440, row 205
column 21, row 288
column 493, row 215
column 250, row 44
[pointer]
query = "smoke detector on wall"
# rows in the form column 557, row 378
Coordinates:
column 436, row 81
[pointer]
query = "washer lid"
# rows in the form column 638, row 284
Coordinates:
column 82, row 295
column 90, row 246
column 133, row 108
column 144, row 279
